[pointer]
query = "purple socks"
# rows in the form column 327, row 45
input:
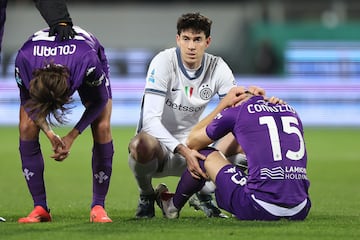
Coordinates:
column 188, row 185
column 33, row 170
column 101, row 168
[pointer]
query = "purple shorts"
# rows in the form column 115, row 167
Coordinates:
column 232, row 195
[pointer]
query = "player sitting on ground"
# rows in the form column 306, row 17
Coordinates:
column 271, row 134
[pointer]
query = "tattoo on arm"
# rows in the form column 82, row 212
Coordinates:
column 44, row 125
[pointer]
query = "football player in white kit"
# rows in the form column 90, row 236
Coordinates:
column 180, row 83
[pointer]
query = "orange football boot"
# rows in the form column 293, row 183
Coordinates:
column 39, row 214
column 99, row 215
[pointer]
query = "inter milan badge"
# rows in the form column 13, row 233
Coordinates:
column 205, row 92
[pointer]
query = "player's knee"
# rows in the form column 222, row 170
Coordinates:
column 102, row 129
column 140, row 149
column 28, row 130
column 103, row 126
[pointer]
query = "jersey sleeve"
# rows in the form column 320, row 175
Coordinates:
column 158, row 75
column 23, row 75
column 53, row 11
column 94, row 92
column 97, row 47
column 152, row 110
column 222, row 124
column 226, row 79
column 156, row 87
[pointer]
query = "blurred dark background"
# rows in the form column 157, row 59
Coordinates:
column 307, row 52
column 275, row 38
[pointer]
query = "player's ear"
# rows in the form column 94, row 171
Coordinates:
column 178, row 40
column 208, row 41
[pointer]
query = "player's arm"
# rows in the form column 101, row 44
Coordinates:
column 56, row 15
column 234, row 96
column 198, row 137
column 158, row 77
column 95, row 95
column 53, row 11
column 58, row 146
column 152, row 110
column 21, row 70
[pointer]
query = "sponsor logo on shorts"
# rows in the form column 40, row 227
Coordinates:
column 279, row 173
column 230, row 170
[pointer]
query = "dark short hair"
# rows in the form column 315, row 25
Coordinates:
column 49, row 92
column 194, row 21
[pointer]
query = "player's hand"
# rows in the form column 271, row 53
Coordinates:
column 55, row 140
column 58, row 146
column 194, row 166
column 60, row 155
column 68, row 140
column 275, row 100
column 192, row 162
column 64, row 31
column 255, row 90
column 233, row 97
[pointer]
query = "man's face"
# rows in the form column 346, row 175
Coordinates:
column 192, row 47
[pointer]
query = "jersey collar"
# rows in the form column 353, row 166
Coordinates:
column 182, row 67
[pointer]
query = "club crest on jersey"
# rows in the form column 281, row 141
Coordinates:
column 205, row 92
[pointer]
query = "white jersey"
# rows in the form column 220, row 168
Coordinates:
column 174, row 101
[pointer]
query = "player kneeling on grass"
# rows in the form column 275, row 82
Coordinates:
column 48, row 72
column 271, row 135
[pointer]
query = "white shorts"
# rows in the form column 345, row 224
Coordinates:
column 173, row 164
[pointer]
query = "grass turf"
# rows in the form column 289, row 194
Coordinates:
column 333, row 169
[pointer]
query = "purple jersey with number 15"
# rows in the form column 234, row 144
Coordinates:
column 272, row 138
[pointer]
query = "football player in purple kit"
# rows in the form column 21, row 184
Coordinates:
column 48, row 73
column 271, row 135
column 55, row 14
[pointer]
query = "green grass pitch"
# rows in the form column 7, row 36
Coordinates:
column 333, row 169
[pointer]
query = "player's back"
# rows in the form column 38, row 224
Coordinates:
column 272, row 138
column 41, row 47
column 77, row 54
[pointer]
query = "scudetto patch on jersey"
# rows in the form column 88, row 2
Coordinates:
column 189, row 91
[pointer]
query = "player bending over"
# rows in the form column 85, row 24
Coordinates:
column 48, row 73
